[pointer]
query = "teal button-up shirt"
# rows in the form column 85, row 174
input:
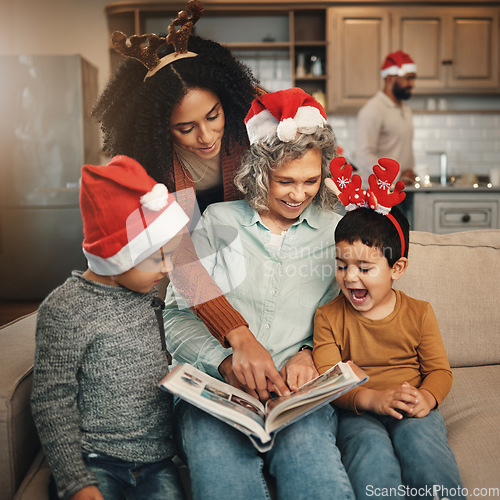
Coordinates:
column 277, row 290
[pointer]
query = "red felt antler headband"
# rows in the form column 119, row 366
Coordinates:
column 379, row 197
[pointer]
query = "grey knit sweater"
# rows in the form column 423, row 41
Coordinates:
column 97, row 365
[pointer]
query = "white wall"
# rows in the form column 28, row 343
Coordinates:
column 57, row 27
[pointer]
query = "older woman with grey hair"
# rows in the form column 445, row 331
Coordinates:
column 263, row 158
column 273, row 254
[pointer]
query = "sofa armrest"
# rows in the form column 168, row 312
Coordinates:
column 18, row 438
column 36, row 483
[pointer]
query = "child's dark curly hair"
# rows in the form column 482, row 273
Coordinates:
column 375, row 230
column 135, row 114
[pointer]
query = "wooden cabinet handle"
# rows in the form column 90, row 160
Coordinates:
column 447, row 62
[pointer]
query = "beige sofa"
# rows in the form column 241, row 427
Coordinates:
column 458, row 273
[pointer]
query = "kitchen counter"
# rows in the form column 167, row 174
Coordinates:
column 467, row 183
column 453, row 188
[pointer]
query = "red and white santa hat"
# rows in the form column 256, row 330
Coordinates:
column 285, row 112
column 127, row 216
column 398, row 63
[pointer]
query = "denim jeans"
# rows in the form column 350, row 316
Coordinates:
column 119, row 480
column 409, row 457
column 223, row 463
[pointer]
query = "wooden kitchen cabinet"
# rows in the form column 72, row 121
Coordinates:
column 359, row 39
column 456, row 49
column 266, row 32
column 449, row 212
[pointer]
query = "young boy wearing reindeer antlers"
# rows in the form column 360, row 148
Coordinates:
column 391, row 435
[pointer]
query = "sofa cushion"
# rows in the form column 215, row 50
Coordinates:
column 36, row 483
column 446, row 270
column 18, row 439
column 471, row 412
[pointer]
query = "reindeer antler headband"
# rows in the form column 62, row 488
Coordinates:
column 378, row 197
column 178, row 35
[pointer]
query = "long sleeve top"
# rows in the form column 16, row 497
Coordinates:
column 191, row 279
column 97, row 365
column 384, row 130
column 406, row 346
column 276, row 289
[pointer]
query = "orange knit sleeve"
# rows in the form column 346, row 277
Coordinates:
column 200, row 292
column 190, row 278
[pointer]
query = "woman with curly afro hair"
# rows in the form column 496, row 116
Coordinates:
column 185, row 125
column 208, row 97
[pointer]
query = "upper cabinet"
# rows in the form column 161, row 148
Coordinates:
column 284, row 46
column 334, row 50
column 456, row 49
column 358, row 39
column 308, row 53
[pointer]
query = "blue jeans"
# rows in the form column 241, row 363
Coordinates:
column 411, row 457
column 120, row 480
column 224, row 464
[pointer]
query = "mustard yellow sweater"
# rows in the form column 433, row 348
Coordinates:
column 404, row 346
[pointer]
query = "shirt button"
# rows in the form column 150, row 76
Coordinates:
column 266, row 326
column 273, row 292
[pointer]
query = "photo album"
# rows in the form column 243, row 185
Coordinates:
column 247, row 414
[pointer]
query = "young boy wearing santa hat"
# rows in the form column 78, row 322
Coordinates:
column 104, row 424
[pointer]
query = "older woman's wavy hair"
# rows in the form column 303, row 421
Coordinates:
column 252, row 178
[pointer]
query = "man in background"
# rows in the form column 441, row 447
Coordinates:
column 385, row 122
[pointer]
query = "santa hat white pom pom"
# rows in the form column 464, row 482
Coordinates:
column 156, row 199
column 287, row 130
column 308, row 119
